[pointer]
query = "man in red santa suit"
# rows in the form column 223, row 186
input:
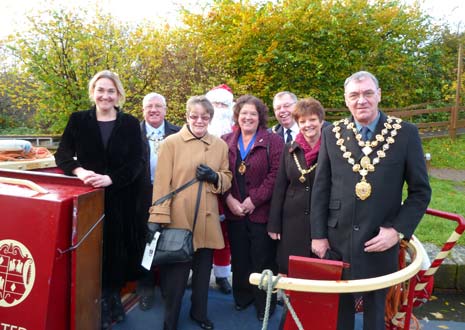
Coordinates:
column 221, row 98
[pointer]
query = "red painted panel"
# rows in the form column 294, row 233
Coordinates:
column 35, row 277
column 317, row 311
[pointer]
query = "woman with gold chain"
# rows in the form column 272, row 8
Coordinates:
column 254, row 155
column 290, row 206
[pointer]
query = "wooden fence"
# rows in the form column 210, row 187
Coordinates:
column 417, row 116
column 450, row 125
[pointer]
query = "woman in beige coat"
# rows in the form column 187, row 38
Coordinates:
column 192, row 152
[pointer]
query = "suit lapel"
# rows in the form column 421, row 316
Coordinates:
column 351, row 142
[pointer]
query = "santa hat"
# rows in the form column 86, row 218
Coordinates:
column 221, row 94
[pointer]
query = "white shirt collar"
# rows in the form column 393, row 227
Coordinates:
column 294, row 130
column 159, row 132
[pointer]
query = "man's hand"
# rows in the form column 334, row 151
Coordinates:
column 205, row 173
column 319, row 247
column 387, row 238
column 152, row 228
column 274, row 236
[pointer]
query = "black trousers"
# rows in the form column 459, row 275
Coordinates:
column 252, row 251
column 174, row 281
column 373, row 310
column 146, row 284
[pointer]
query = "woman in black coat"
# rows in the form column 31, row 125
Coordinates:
column 103, row 147
column 289, row 220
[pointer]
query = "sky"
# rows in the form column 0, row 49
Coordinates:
column 12, row 12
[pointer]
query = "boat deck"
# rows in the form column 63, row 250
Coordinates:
column 225, row 317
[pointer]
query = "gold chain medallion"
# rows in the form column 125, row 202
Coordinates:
column 242, row 168
column 302, row 171
column 363, row 188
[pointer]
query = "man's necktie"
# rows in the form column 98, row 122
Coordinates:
column 288, row 135
column 364, row 131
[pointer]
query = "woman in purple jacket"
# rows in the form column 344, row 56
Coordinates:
column 254, row 155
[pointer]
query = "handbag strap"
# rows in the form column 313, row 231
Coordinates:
column 174, row 192
column 197, row 204
column 184, row 186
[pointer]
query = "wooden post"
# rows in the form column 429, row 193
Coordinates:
column 455, row 110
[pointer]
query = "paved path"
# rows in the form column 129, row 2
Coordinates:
column 448, row 174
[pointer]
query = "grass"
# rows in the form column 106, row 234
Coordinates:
column 447, row 196
column 445, row 152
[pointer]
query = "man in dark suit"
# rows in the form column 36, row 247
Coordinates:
column 357, row 209
column 154, row 129
column 283, row 106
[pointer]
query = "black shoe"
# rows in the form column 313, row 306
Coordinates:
column 261, row 314
column 145, row 302
column 223, row 285
column 117, row 310
column 204, row 324
column 106, row 314
column 239, row 308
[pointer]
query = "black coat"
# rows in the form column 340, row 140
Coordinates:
column 348, row 222
column 290, row 207
column 146, row 201
column 278, row 129
column 123, row 160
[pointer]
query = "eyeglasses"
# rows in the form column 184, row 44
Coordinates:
column 197, row 117
column 154, row 106
column 366, row 95
column 284, row 106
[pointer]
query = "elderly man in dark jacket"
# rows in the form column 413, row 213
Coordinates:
column 154, row 129
column 357, row 208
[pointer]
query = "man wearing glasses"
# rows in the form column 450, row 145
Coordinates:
column 154, row 129
column 357, row 207
column 283, row 106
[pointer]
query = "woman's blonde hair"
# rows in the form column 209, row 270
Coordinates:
column 113, row 77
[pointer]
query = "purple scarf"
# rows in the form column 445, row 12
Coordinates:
column 310, row 153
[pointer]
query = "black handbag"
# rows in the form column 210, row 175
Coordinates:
column 176, row 245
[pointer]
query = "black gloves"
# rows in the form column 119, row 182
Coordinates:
column 332, row 255
column 205, row 173
column 152, row 228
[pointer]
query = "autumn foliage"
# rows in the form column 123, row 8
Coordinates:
column 306, row 46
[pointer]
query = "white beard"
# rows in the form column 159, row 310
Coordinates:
column 222, row 122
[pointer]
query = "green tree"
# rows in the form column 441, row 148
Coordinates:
column 305, row 46
column 311, row 46
column 59, row 55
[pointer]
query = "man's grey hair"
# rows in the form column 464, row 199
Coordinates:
column 361, row 75
column 150, row 96
column 281, row 94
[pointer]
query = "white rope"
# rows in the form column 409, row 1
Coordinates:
column 346, row 286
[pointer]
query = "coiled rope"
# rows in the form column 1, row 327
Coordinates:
column 270, row 287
